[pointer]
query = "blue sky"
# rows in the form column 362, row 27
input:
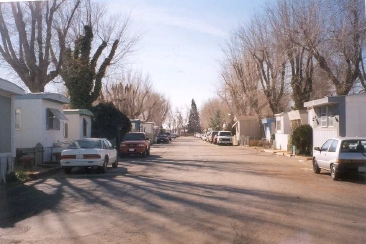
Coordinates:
column 181, row 43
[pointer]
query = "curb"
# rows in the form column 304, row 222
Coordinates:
column 37, row 175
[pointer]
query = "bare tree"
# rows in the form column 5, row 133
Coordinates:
column 333, row 32
column 28, row 31
column 130, row 94
column 270, row 62
column 282, row 17
column 157, row 108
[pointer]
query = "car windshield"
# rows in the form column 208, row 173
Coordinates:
column 84, row 144
column 225, row 133
column 134, row 136
column 162, row 135
column 353, row 146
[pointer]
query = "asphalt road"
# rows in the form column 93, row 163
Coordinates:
column 189, row 191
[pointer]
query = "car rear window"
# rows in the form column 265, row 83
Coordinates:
column 353, row 146
column 134, row 136
column 86, row 144
column 225, row 133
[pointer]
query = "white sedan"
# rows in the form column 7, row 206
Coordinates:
column 89, row 152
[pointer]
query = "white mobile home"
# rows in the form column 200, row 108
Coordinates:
column 339, row 116
column 8, row 91
column 78, row 125
column 148, row 128
column 282, row 131
column 246, row 126
column 41, row 119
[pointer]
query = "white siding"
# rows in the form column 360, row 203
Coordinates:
column 320, row 136
column 282, row 141
column 32, row 122
column 73, row 126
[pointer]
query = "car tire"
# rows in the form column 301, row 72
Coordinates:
column 148, row 152
column 115, row 164
column 104, row 167
column 334, row 173
column 67, row 171
column 316, row 168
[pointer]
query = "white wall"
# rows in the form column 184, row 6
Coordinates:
column 281, row 141
column 33, row 124
column 73, row 127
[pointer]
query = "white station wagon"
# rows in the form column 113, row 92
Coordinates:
column 340, row 155
column 89, row 152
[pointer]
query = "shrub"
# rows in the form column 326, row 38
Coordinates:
column 302, row 139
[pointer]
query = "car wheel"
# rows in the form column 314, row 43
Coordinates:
column 67, row 171
column 104, row 167
column 115, row 164
column 334, row 172
column 316, row 167
column 148, row 152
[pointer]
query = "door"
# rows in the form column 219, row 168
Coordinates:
column 321, row 157
column 331, row 154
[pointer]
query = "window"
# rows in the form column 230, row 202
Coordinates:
column 326, row 115
column 66, row 130
column 323, row 116
column 333, row 146
column 326, row 145
column 85, row 128
column 17, row 118
column 53, row 123
column 278, row 125
column 331, row 113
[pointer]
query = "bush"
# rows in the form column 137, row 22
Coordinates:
column 108, row 121
column 302, row 139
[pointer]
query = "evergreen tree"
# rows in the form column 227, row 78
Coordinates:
column 109, row 122
column 217, row 121
column 194, row 124
column 79, row 70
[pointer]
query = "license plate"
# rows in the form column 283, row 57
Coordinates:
column 131, row 150
column 362, row 169
column 79, row 156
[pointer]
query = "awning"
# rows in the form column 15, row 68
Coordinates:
column 58, row 114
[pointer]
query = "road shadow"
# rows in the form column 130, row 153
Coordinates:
column 23, row 201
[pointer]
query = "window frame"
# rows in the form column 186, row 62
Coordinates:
column 18, row 119
column 52, row 122
column 85, row 128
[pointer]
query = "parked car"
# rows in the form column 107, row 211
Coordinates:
column 224, row 138
column 135, row 143
column 89, row 153
column 212, row 136
column 203, row 136
column 208, row 134
column 162, row 138
column 340, row 155
column 173, row 135
column 168, row 135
